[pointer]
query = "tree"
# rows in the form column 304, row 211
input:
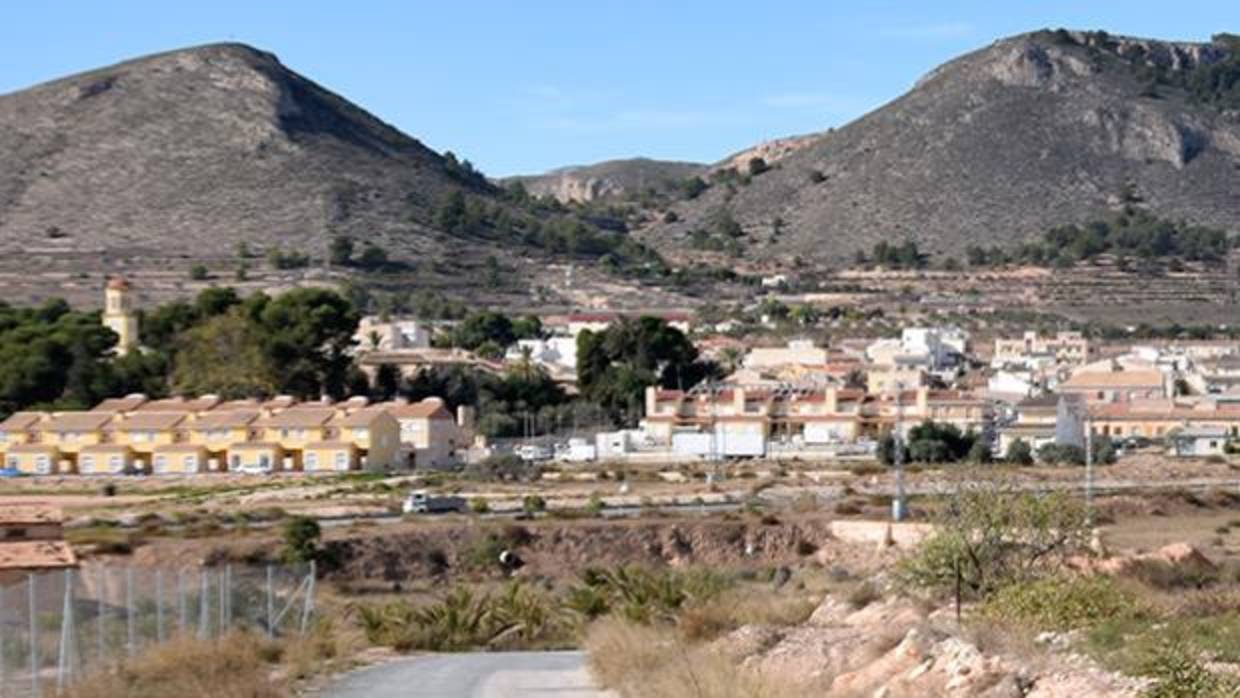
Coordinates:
column 1019, row 453
column 224, row 356
column 980, row 452
column 301, row 539
column 615, row 366
column 989, row 537
column 340, row 251
column 306, row 335
column 757, row 166
column 373, row 257
column 386, row 382
column 482, row 327
column 199, row 272
column 527, row 327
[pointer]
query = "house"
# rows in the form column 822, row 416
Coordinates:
column 180, row 459
column 1197, row 442
column 1065, row 348
column 31, row 542
column 217, row 430
column 330, row 456
column 1156, row 419
column 429, row 432
column 69, row 432
column 33, row 459
column 1117, row 385
column 292, row 429
column 20, row 428
column 374, row 334
column 107, row 459
column 372, row 431
column 143, row 432
column 798, row 352
column 259, row 457
column 1046, row 419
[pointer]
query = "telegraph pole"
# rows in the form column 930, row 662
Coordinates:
column 1089, row 468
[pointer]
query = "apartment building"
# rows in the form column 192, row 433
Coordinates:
column 1065, row 348
column 805, row 416
column 180, row 436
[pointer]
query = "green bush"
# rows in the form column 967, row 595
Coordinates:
column 1060, row 603
column 479, row 505
column 1178, row 674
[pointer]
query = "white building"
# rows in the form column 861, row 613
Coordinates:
column 556, row 354
column 1198, row 442
column 799, row 352
column 392, row 335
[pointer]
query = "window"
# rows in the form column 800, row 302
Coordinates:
column 116, row 463
column 4, row 436
column 12, row 462
column 141, row 436
column 42, row 465
column 342, row 460
column 235, row 461
column 87, row 464
column 161, row 464
column 361, row 433
column 190, row 463
column 70, row 436
column 264, row 461
column 312, row 461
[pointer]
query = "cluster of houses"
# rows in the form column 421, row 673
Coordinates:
column 135, row 434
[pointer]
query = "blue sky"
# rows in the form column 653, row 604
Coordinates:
column 525, row 86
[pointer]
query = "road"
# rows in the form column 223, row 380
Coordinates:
column 474, row 675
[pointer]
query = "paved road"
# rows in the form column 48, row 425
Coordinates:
column 475, row 675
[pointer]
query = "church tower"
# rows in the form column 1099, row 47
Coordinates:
column 119, row 315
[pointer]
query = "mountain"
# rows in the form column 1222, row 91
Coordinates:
column 610, row 179
column 152, row 166
column 995, row 147
column 213, row 145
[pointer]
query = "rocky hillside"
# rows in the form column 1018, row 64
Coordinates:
column 207, row 146
column 610, row 179
column 1030, row 132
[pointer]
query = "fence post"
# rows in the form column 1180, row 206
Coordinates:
column 204, row 606
column 182, row 603
column 308, row 607
column 101, row 579
column 159, row 605
column 228, row 599
column 271, row 613
column 221, row 621
column 129, row 619
column 34, row 638
column 3, row 673
column 64, row 662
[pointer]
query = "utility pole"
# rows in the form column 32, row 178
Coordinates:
column 897, row 457
column 1089, row 468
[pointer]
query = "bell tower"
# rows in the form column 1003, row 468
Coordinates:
column 119, row 315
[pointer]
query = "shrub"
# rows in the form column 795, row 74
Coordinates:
column 533, row 504
column 1019, row 453
column 479, row 505
column 199, row 272
column 863, row 595
column 301, row 539
column 1060, row 603
column 1178, row 674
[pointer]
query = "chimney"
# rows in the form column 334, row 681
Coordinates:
column 833, row 400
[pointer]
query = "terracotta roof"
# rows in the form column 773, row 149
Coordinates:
column 180, row 404
column 148, row 421
column 246, row 404
column 431, row 408
column 1114, row 379
column 227, row 419
column 299, row 417
column 279, row 401
column 79, row 421
column 30, row 514
column 359, row 418
column 20, row 421
column 36, row 554
column 120, row 404
column 119, row 283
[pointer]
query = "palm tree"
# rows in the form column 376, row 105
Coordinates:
column 730, row 358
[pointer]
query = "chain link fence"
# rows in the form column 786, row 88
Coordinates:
column 57, row 626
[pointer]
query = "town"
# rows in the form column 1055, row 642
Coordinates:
column 1035, row 396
